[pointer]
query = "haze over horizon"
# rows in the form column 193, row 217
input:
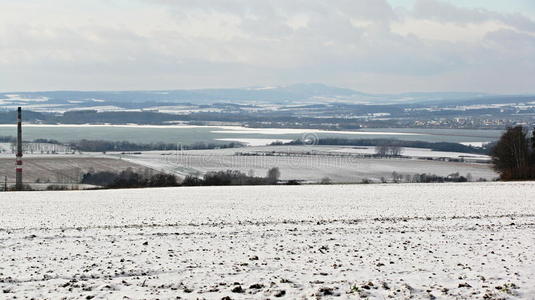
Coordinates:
column 372, row 46
column 302, row 85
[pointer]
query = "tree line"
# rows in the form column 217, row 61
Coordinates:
column 146, row 178
column 383, row 143
column 105, row 146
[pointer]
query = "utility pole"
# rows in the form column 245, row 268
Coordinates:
column 18, row 185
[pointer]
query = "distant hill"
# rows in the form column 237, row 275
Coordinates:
column 291, row 94
column 283, row 94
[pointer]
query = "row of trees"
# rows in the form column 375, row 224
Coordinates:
column 129, row 179
column 514, row 154
column 428, row 178
column 105, row 146
column 233, row 177
column 398, row 144
column 49, row 145
column 388, row 150
column 132, row 179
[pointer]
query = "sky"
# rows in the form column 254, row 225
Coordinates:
column 375, row 46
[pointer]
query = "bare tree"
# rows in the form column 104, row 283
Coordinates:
column 396, row 177
column 273, row 175
column 381, row 150
column 388, row 149
column 395, row 150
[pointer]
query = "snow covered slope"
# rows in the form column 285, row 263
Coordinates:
column 311, row 164
column 443, row 241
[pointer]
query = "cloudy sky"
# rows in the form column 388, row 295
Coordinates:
column 380, row 46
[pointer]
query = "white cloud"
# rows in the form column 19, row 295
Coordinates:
column 445, row 31
column 363, row 44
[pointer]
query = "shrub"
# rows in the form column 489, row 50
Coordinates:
column 326, row 180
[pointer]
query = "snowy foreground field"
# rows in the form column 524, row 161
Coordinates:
column 444, row 241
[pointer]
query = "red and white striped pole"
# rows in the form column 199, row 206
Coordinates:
column 19, row 186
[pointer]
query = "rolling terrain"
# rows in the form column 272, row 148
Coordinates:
column 61, row 169
column 430, row 241
column 313, row 163
column 294, row 106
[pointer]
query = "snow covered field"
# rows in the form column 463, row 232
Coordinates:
column 431, row 241
column 311, row 164
column 61, row 168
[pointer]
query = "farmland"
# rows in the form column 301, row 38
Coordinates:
column 438, row 241
column 61, row 168
column 308, row 164
column 312, row 163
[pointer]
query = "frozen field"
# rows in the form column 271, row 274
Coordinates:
column 311, row 164
column 444, row 241
column 61, row 168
